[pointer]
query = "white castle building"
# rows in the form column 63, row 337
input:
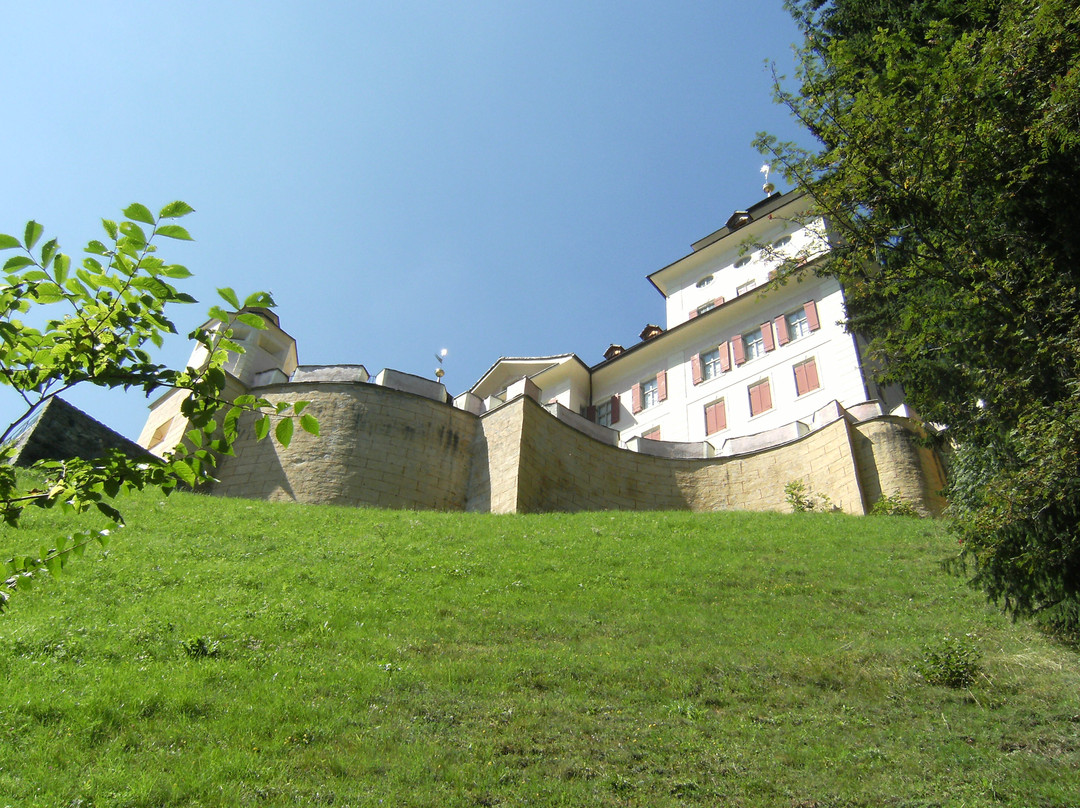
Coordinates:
column 741, row 355
column 747, row 362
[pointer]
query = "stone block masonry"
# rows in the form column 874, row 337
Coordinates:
column 389, row 448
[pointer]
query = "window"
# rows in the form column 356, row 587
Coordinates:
column 753, row 344
column 160, row 433
column 746, row 259
column 781, row 242
column 709, row 306
column 797, row 324
column 715, row 417
column 650, row 392
column 746, row 287
column 710, row 364
column 606, row 413
column 760, row 397
column 704, row 281
column 806, row 378
column 652, row 434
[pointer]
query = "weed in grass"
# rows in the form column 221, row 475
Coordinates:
column 201, row 647
column 951, row 662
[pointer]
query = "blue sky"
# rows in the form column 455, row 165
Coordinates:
column 493, row 178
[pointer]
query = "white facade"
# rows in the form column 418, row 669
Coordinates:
column 742, row 353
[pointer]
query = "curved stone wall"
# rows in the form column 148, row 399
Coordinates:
column 393, row 449
column 377, row 446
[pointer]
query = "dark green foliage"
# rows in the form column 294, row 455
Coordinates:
column 951, row 662
column 948, row 159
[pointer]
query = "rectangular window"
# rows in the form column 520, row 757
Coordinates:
column 760, row 397
column 746, row 287
column 603, row 413
column 706, row 307
column 715, row 417
column 806, row 378
column 797, row 324
column 710, row 364
column 753, row 344
column 606, row 413
column 650, row 393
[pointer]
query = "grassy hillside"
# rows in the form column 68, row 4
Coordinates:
column 238, row 653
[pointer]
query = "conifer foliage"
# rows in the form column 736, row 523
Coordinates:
column 947, row 166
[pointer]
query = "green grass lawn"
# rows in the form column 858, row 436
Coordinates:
column 225, row 652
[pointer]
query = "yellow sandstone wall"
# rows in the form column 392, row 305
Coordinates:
column 387, row 448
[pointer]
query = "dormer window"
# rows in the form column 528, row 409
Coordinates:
column 704, row 281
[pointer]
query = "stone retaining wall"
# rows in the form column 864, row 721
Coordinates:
column 389, row 448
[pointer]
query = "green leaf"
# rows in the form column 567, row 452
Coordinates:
column 61, row 267
column 229, row 296
column 253, row 320
column 8, row 242
column 133, row 232
column 300, row 406
column 139, row 213
column 33, row 233
column 262, row 427
column 110, row 228
column 310, row 424
column 176, row 271
column 18, row 262
column 174, row 231
column 218, row 313
column 48, row 251
column 259, row 300
column 183, row 471
column 175, row 210
column 284, row 432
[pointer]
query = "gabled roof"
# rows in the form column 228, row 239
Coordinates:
column 514, row 367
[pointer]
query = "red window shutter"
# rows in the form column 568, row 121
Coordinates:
column 636, row 394
column 695, row 368
column 661, row 386
column 810, row 307
column 739, row 349
column 652, row 434
column 590, row 413
column 760, row 398
column 614, row 409
column 781, row 330
column 725, row 359
column 806, row 378
column 693, row 313
column 766, row 336
column 718, row 301
column 772, row 274
column 715, row 417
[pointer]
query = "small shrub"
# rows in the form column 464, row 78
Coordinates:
column 803, row 500
column 894, row 505
column 952, row 662
column 200, row 647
